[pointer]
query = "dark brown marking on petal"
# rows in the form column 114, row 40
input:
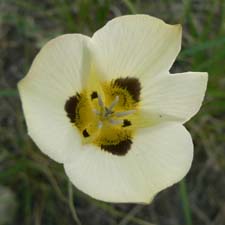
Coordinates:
column 94, row 95
column 85, row 133
column 119, row 149
column 70, row 107
column 132, row 85
column 126, row 123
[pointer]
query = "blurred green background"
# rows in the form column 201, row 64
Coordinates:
column 34, row 189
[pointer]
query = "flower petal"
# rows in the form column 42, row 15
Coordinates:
column 136, row 45
column 160, row 156
column 57, row 73
column 176, row 95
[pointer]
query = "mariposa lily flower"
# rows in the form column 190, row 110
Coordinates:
column 110, row 111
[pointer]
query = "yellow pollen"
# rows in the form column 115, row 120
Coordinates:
column 104, row 117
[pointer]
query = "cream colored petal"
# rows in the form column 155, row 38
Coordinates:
column 136, row 45
column 160, row 156
column 56, row 74
column 175, row 96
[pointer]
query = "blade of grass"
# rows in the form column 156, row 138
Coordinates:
column 8, row 93
column 212, row 61
column 111, row 210
column 130, row 6
column 202, row 46
column 222, row 14
column 66, row 15
column 186, row 10
column 13, row 170
column 208, row 25
column 188, row 18
column 185, row 202
column 130, row 215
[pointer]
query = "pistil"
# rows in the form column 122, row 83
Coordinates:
column 107, row 113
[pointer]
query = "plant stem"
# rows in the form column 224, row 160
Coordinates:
column 71, row 204
column 185, row 202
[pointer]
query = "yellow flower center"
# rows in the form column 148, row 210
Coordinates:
column 104, row 118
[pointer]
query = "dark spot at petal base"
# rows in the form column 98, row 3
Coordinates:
column 70, row 107
column 85, row 133
column 119, row 149
column 132, row 85
column 126, row 123
column 94, row 95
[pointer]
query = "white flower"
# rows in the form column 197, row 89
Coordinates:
column 110, row 111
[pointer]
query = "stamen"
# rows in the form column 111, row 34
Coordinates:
column 115, row 122
column 100, row 124
column 114, row 103
column 107, row 112
column 125, row 113
column 96, row 111
column 100, row 102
